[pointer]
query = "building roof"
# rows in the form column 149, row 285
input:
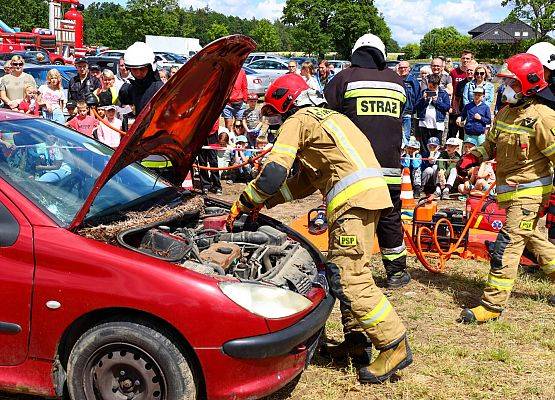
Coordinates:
column 503, row 32
column 482, row 28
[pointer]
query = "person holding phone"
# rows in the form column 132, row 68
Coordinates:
column 431, row 108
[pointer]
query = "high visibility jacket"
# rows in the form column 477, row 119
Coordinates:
column 522, row 140
column 374, row 101
column 335, row 157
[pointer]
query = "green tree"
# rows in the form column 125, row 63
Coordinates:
column 444, row 41
column 266, row 36
column 216, row 31
column 102, row 24
column 539, row 13
column 25, row 14
column 411, row 50
column 151, row 17
column 324, row 25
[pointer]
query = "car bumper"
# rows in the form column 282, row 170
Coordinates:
column 257, row 366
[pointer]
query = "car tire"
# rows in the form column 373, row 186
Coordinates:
column 123, row 359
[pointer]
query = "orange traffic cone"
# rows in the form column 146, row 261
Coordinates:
column 407, row 197
column 188, row 182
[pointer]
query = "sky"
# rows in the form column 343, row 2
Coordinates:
column 408, row 20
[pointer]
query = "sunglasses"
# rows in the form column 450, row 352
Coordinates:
column 480, row 73
column 17, row 64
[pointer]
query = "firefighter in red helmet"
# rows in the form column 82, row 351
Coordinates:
column 336, row 158
column 522, row 139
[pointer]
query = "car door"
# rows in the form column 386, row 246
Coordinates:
column 16, row 280
column 275, row 68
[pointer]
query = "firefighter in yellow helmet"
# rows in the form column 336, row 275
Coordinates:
column 522, row 140
column 336, row 158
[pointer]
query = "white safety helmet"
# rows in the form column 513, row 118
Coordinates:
column 370, row 40
column 545, row 51
column 310, row 97
column 139, row 54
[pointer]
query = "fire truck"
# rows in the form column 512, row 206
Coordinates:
column 65, row 32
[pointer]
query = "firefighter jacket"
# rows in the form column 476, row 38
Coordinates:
column 374, row 100
column 522, row 140
column 335, row 158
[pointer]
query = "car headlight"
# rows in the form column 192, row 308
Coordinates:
column 266, row 301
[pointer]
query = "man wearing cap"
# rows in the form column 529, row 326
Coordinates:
column 82, row 85
column 95, row 71
column 475, row 117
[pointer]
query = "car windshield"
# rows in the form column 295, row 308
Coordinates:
column 55, row 168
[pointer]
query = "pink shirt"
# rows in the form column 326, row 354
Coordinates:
column 107, row 135
column 84, row 125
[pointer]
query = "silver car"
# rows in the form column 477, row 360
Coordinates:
column 272, row 68
column 257, row 83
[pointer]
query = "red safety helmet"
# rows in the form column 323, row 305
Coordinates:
column 282, row 93
column 528, row 70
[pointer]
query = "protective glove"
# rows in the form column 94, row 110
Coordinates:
column 238, row 208
column 465, row 162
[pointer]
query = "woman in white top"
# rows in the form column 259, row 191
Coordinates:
column 52, row 97
column 307, row 72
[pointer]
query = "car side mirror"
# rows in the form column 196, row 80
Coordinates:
column 9, row 227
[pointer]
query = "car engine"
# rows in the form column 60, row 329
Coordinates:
column 199, row 242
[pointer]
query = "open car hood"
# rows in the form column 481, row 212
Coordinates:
column 178, row 118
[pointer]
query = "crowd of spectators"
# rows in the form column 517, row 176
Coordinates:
column 448, row 110
column 445, row 105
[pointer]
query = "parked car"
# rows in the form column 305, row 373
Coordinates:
column 133, row 286
column 168, row 60
column 339, row 64
column 301, row 60
column 257, row 83
column 112, row 53
column 30, row 57
column 39, row 73
column 263, row 56
column 415, row 70
column 272, row 68
column 104, row 62
column 392, row 64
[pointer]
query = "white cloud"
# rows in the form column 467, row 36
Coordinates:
column 269, row 9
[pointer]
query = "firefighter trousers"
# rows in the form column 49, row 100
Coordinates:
column 363, row 306
column 520, row 231
column 390, row 236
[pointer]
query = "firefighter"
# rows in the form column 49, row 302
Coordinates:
column 343, row 167
column 139, row 60
column 373, row 97
column 523, row 139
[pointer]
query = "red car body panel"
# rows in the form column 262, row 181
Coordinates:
column 49, row 263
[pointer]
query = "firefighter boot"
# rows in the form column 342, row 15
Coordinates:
column 398, row 279
column 390, row 360
column 356, row 345
column 478, row 314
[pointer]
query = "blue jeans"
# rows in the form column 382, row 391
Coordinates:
column 406, row 128
column 56, row 115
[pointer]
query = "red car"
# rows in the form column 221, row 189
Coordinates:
column 118, row 285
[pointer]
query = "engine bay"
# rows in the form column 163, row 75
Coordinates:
column 197, row 240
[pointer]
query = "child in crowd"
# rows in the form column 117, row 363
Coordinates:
column 239, row 156
column 105, row 134
column 252, row 120
column 71, row 110
column 447, row 171
column 29, row 104
column 429, row 166
column 413, row 161
column 238, row 130
column 83, row 122
column 475, row 117
column 52, row 97
column 261, row 144
column 223, row 155
column 479, row 178
column 431, row 108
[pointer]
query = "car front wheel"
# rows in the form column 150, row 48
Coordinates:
column 127, row 360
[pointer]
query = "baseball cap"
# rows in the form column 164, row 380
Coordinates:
column 94, row 67
column 109, row 107
column 452, row 142
column 241, row 138
column 471, row 140
column 478, row 89
column 71, row 104
column 413, row 143
column 433, row 141
column 80, row 60
column 252, row 96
